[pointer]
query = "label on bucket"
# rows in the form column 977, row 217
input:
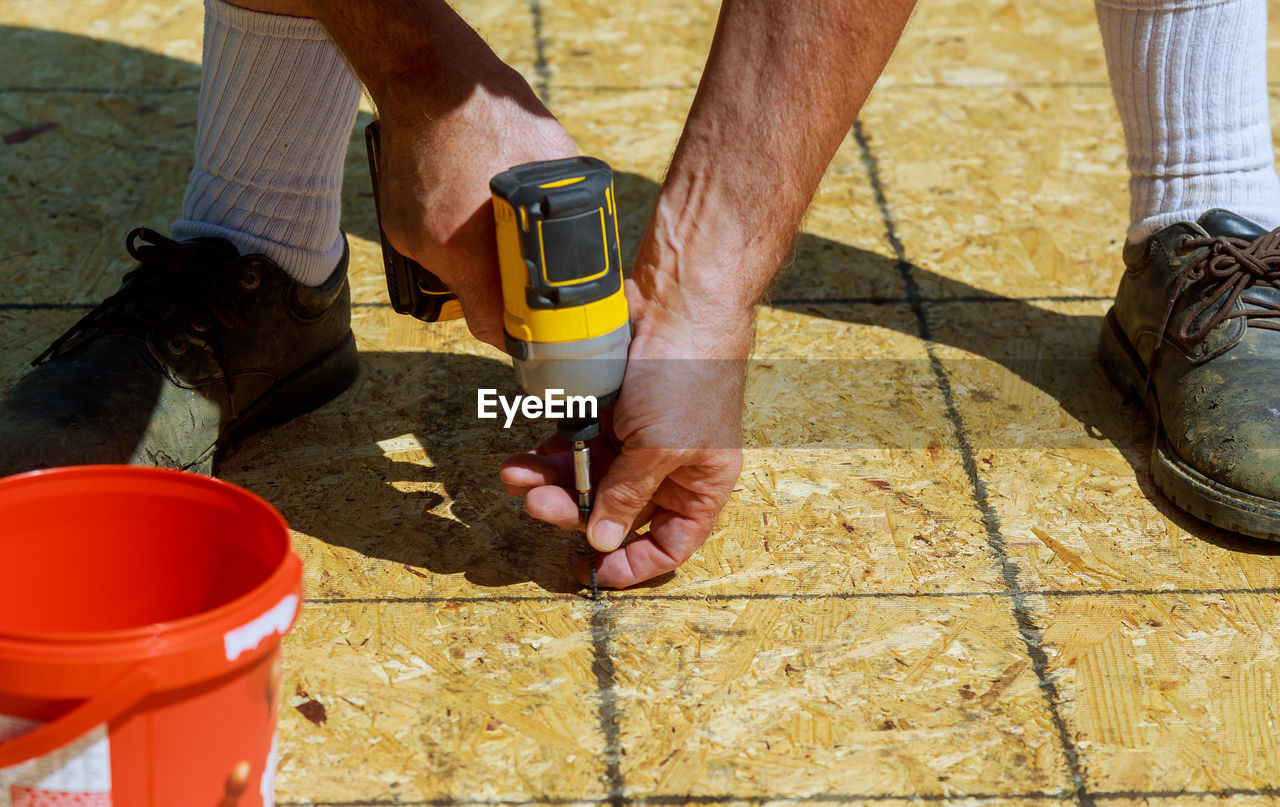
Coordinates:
column 267, row 784
column 77, row 774
column 250, row 635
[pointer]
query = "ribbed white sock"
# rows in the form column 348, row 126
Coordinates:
column 1190, row 82
column 277, row 103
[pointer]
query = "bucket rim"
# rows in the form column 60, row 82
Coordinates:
column 284, row 578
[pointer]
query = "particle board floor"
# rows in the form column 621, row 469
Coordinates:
column 944, row 574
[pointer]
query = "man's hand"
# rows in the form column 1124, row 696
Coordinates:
column 453, row 115
column 671, row 451
column 436, row 204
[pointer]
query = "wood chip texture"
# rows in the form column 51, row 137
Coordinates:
column 944, row 575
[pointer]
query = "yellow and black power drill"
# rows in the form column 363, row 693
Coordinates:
column 566, row 324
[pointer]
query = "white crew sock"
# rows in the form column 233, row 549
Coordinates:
column 277, row 103
column 1190, row 82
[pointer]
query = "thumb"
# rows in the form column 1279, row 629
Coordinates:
column 624, row 492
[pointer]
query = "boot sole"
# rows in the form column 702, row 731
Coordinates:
column 1189, row 489
column 308, row 388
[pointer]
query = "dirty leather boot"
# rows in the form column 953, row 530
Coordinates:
column 200, row 345
column 1195, row 335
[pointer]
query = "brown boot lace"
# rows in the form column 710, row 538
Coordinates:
column 205, row 284
column 1222, row 273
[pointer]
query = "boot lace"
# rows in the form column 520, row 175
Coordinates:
column 205, row 285
column 1221, row 274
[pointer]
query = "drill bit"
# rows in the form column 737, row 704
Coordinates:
column 595, row 590
column 582, row 477
column 582, row 482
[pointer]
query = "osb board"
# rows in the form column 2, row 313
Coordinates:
column 842, row 250
column 440, row 701
column 1065, row 458
column 1018, row 193
column 977, row 43
column 24, row 335
column 379, row 328
column 593, row 43
column 1171, row 692
column 119, row 43
column 67, row 227
column 1025, row 374
column 598, row 43
column 822, row 381
column 758, row 801
column 849, row 699
column 173, row 29
column 393, row 487
column 396, row 480
column 509, row 28
column 830, row 522
column 64, row 226
column 370, row 525
column 982, row 42
column 1090, row 519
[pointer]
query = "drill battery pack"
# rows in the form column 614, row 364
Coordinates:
column 413, row 289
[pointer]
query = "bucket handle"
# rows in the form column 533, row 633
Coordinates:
column 103, row 707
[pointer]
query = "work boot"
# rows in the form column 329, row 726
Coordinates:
column 1195, row 335
column 199, row 346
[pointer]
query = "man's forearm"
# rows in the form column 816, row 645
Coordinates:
column 783, row 83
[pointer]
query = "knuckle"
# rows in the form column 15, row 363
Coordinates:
column 623, row 496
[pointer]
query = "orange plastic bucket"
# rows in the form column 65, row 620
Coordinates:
column 141, row 615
